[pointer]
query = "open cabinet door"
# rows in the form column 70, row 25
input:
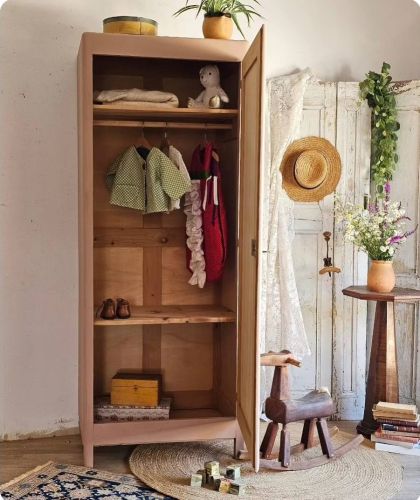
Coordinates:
column 252, row 89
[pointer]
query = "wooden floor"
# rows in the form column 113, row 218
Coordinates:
column 17, row 457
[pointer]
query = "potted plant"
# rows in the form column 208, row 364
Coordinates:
column 378, row 231
column 220, row 15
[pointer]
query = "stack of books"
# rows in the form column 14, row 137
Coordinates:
column 399, row 430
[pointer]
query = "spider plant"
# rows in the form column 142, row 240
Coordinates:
column 229, row 8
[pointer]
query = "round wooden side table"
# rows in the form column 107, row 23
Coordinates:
column 382, row 382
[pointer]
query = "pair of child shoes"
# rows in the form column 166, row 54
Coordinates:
column 111, row 310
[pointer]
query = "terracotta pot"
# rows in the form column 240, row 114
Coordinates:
column 381, row 276
column 218, row 27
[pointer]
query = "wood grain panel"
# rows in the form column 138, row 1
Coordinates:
column 173, row 430
column 175, row 276
column 187, row 357
column 229, row 154
column 193, row 49
column 118, row 272
column 85, row 216
column 139, row 237
column 249, row 232
column 154, row 315
column 176, row 218
column 116, row 350
column 192, row 400
column 152, row 286
column 152, row 292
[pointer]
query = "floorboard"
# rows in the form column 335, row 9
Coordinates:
column 17, row 457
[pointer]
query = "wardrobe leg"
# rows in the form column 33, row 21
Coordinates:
column 238, row 446
column 88, row 454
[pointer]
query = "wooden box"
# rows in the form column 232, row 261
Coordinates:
column 136, row 389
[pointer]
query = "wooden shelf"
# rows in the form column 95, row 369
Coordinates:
column 129, row 111
column 142, row 315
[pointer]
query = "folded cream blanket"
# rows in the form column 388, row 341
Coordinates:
column 139, row 96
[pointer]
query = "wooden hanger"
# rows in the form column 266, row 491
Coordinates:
column 164, row 145
column 143, row 141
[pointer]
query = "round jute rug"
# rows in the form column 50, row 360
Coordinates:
column 362, row 473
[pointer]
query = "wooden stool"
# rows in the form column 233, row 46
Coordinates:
column 313, row 409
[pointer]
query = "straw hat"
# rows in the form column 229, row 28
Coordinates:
column 311, row 169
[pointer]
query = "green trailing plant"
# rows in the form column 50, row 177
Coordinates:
column 229, row 8
column 378, row 91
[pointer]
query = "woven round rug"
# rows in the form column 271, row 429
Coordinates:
column 362, row 473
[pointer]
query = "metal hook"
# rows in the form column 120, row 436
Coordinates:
column 328, row 265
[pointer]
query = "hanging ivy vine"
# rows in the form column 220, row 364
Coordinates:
column 378, row 91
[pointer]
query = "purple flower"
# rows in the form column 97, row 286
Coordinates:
column 395, row 239
column 387, row 187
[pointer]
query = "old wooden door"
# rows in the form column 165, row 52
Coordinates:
column 405, row 187
column 336, row 327
column 252, row 90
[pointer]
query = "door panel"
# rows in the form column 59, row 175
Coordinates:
column 249, row 232
column 311, row 220
column 405, row 187
column 336, row 327
column 349, row 319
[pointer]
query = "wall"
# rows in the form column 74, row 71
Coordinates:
column 339, row 39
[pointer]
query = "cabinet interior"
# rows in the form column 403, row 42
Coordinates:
column 142, row 258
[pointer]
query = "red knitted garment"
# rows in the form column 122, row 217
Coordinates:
column 206, row 167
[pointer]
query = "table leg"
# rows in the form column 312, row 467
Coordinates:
column 382, row 383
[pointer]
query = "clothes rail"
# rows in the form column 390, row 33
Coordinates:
column 173, row 125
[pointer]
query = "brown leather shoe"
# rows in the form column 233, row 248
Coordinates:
column 123, row 309
column 107, row 310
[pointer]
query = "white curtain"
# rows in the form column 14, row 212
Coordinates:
column 281, row 322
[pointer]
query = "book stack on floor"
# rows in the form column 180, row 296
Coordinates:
column 399, row 430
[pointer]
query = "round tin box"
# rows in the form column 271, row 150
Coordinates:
column 130, row 25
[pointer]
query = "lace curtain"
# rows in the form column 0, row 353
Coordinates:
column 281, row 316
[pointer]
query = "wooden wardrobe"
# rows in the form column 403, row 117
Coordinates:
column 203, row 341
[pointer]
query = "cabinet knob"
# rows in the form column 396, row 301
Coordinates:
column 164, row 240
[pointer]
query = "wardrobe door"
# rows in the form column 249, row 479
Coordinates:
column 249, row 263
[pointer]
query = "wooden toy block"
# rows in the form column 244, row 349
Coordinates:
column 233, row 471
column 212, row 468
column 212, row 480
column 224, row 486
column 196, row 480
column 236, row 488
column 203, row 475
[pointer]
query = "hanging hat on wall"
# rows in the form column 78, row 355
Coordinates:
column 311, row 169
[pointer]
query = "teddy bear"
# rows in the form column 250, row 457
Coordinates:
column 213, row 96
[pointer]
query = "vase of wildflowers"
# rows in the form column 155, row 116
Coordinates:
column 377, row 230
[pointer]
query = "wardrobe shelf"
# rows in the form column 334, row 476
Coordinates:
column 160, row 315
column 112, row 112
